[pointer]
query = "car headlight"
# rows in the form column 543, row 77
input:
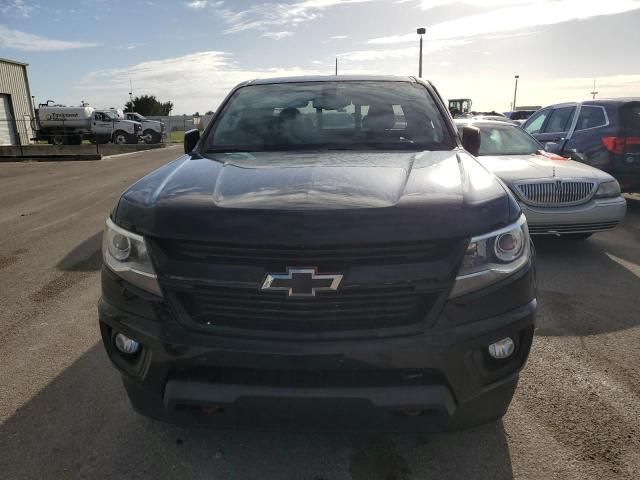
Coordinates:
column 608, row 189
column 491, row 257
column 126, row 254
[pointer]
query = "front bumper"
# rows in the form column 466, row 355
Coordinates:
column 444, row 371
column 597, row 215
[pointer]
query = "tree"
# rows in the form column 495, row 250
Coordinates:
column 209, row 112
column 148, row 105
column 197, row 114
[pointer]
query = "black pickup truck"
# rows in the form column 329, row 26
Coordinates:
column 327, row 245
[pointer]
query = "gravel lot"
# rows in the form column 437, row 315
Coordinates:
column 63, row 411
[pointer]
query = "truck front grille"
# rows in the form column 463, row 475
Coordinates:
column 349, row 309
column 329, row 257
column 555, row 193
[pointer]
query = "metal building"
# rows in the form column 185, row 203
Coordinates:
column 16, row 106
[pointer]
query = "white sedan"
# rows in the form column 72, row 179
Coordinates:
column 557, row 195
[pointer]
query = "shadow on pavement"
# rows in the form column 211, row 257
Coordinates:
column 592, row 286
column 81, row 426
column 85, row 257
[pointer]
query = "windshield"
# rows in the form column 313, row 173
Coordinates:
column 333, row 115
column 506, row 140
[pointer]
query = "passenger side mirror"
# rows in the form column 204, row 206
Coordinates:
column 471, row 140
column 552, row 147
column 191, row 138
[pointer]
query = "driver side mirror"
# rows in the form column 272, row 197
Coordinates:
column 552, row 147
column 471, row 140
column 191, row 138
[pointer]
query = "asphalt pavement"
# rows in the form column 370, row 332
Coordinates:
column 64, row 414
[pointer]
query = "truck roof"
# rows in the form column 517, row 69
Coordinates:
column 331, row 78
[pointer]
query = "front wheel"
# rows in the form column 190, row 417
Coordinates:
column 120, row 137
column 150, row 136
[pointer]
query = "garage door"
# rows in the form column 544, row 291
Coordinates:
column 7, row 124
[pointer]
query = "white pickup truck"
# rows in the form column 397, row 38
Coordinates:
column 153, row 131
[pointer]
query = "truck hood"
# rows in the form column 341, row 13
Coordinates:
column 513, row 168
column 309, row 197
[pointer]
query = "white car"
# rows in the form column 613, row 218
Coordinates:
column 557, row 195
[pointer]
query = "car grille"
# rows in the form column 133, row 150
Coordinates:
column 349, row 309
column 573, row 228
column 555, row 193
column 330, row 257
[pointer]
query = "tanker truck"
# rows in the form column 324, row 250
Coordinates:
column 62, row 125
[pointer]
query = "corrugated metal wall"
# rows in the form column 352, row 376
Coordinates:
column 14, row 82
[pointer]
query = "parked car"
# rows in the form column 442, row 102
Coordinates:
column 558, row 196
column 602, row 133
column 519, row 116
column 371, row 262
column 497, row 118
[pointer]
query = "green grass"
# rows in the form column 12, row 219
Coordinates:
column 176, row 137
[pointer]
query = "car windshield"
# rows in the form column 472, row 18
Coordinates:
column 506, row 140
column 330, row 115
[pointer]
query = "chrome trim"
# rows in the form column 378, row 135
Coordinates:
column 336, row 279
column 550, row 192
column 575, row 122
column 565, row 229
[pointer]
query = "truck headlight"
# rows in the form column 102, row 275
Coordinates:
column 491, row 257
column 608, row 189
column 126, row 254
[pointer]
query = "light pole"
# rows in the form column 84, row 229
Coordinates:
column 515, row 93
column 421, row 32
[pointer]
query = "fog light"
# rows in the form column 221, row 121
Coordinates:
column 125, row 344
column 502, row 348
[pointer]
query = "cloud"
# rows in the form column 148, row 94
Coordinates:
column 400, row 52
column 277, row 35
column 200, row 4
column 15, row 8
column 339, row 37
column 265, row 15
column 193, row 82
column 28, row 41
column 510, row 16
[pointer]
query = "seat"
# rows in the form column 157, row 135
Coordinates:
column 380, row 117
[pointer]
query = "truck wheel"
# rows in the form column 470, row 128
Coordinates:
column 120, row 137
column 150, row 136
column 75, row 140
column 58, row 139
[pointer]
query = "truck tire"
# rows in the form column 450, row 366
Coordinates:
column 120, row 138
column 150, row 136
column 75, row 140
column 58, row 139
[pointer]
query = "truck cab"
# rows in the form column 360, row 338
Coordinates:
column 107, row 126
column 152, row 130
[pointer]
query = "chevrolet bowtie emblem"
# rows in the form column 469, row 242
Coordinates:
column 301, row 282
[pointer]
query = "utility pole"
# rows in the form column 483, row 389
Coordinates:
column 594, row 93
column 421, row 32
column 131, row 93
column 515, row 93
column 336, row 66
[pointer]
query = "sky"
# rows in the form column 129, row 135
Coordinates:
column 192, row 52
